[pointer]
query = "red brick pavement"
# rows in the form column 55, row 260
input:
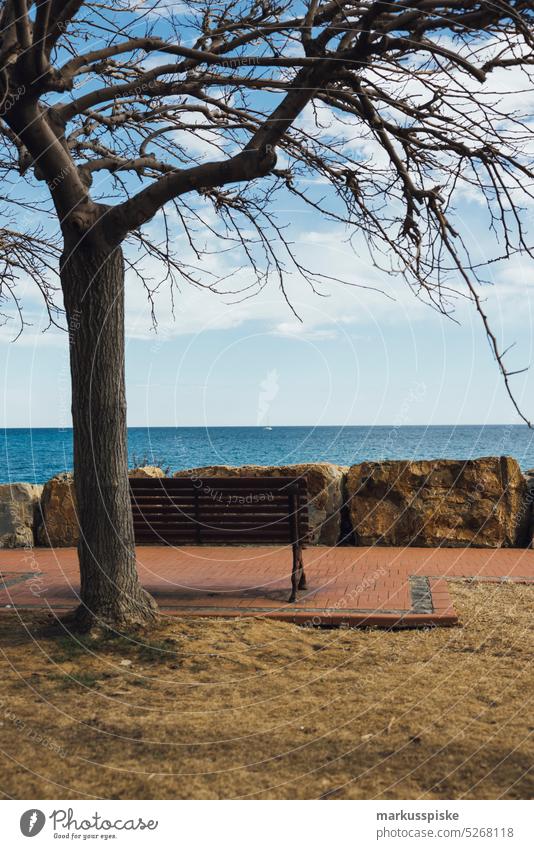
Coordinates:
column 346, row 585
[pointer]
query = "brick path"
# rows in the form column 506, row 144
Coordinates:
column 354, row 586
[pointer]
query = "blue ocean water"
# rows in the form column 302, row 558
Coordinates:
column 36, row 455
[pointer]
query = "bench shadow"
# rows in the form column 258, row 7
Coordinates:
column 219, row 597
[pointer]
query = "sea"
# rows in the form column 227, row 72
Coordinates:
column 37, row 454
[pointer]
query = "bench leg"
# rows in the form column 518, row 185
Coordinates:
column 298, row 578
column 302, row 579
column 295, row 575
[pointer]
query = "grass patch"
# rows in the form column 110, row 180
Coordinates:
column 68, row 648
column 71, row 680
column 214, row 708
column 157, row 651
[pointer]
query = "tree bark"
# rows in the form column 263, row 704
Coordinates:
column 92, row 277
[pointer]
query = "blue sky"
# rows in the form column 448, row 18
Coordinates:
column 357, row 357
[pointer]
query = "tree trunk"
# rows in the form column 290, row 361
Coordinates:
column 92, row 278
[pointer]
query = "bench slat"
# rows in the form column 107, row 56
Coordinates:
column 223, row 539
column 218, row 510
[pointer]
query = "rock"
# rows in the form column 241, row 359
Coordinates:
column 325, row 491
column 59, row 521
column 529, row 506
column 18, row 506
column 452, row 503
column 146, row 472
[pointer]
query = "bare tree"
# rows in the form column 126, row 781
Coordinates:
column 276, row 89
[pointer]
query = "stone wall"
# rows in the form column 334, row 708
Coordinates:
column 19, row 504
column 530, row 505
column 484, row 503
column 146, row 472
column 59, row 520
column 451, row 503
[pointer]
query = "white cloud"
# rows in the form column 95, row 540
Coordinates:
column 299, row 330
column 161, row 8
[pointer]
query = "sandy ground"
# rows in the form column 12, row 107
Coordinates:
column 257, row 709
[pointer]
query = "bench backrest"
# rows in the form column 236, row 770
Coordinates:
column 178, row 511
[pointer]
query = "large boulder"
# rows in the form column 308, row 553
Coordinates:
column 529, row 506
column 325, row 491
column 18, row 507
column 452, row 503
column 59, row 519
column 146, row 472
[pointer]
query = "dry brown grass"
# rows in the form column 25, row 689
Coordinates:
column 250, row 708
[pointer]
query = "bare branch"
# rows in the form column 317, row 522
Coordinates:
column 379, row 115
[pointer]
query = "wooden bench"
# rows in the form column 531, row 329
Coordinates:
column 181, row 511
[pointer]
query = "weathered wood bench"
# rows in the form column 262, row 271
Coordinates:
column 181, row 511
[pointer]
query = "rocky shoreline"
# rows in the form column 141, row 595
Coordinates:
column 485, row 503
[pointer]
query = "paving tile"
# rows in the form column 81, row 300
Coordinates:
column 346, row 585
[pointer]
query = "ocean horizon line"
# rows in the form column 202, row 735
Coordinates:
column 285, row 426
